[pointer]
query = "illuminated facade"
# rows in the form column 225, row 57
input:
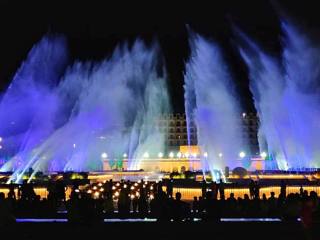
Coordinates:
column 161, row 165
column 182, row 157
column 250, row 125
column 175, row 127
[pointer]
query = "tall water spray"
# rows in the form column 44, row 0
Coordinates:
column 287, row 96
column 106, row 110
column 211, row 102
column 28, row 106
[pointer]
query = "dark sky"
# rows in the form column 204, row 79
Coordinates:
column 93, row 29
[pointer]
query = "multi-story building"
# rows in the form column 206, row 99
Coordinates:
column 250, row 124
column 175, row 127
column 180, row 156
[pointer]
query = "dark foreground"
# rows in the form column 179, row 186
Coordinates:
column 161, row 231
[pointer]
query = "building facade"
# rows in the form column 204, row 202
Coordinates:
column 175, row 128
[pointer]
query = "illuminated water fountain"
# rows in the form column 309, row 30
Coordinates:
column 287, row 97
column 211, row 101
column 102, row 110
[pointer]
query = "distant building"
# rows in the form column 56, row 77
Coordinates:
column 175, row 127
column 250, row 124
column 180, row 156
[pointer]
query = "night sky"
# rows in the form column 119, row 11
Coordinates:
column 94, row 29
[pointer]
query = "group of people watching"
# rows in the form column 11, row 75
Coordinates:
column 153, row 200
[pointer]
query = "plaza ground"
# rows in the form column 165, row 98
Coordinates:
column 158, row 231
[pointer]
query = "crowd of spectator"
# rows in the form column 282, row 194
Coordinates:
column 144, row 199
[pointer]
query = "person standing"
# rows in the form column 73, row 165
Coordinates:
column 204, row 188
column 221, row 189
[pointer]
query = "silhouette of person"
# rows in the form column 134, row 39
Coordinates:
column 211, row 208
column 301, row 191
column 159, row 187
column 170, row 187
column 180, row 209
column 283, row 189
column 251, row 188
column 214, row 190
column 60, row 191
column 221, row 189
column 201, row 204
column 123, row 203
column 6, row 216
column 195, row 205
column 204, row 188
column 143, row 205
column 11, row 193
column 26, row 191
column 256, row 190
